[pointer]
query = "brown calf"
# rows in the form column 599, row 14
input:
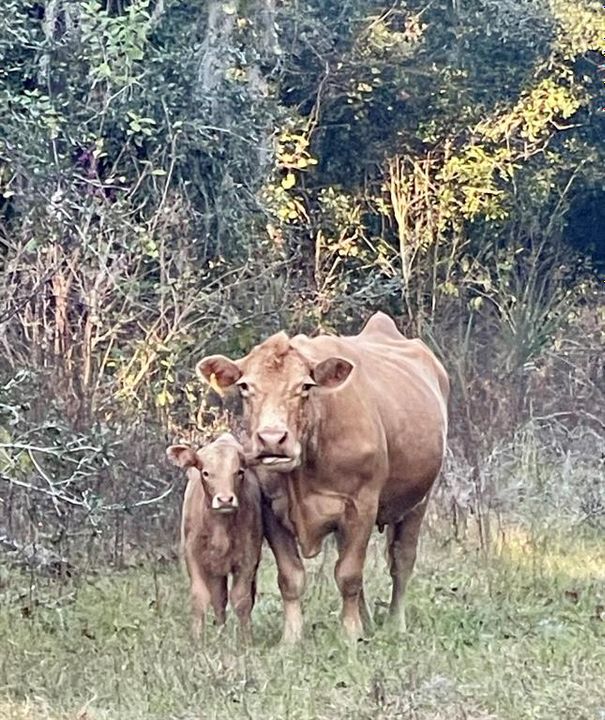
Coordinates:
column 221, row 529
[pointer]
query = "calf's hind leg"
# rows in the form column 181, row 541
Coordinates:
column 402, row 546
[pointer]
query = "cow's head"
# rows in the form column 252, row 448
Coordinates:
column 280, row 388
column 218, row 466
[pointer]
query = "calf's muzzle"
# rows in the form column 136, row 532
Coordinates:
column 224, row 503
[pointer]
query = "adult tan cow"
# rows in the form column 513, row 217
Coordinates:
column 348, row 432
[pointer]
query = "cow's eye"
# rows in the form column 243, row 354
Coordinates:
column 205, row 473
column 244, row 389
column 240, row 474
column 306, row 388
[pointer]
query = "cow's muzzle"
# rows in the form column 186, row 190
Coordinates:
column 274, row 449
column 275, row 463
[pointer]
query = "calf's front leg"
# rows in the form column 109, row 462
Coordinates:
column 243, row 595
column 200, row 598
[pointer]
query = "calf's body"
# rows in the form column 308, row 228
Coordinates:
column 221, row 530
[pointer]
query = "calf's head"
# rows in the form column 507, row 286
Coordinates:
column 281, row 389
column 218, row 466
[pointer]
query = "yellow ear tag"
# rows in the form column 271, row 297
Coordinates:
column 215, row 386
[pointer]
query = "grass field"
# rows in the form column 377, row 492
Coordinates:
column 514, row 632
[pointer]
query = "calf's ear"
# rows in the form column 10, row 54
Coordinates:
column 332, row 372
column 217, row 370
column 183, row 456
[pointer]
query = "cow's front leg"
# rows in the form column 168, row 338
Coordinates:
column 353, row 539
column 290, row 573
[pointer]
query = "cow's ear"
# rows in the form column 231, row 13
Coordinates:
column 183, row 456
column 217, row 370
column 332, row 372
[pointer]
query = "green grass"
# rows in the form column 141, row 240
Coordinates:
column 511, row 633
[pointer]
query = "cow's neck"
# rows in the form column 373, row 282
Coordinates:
column 312, row 434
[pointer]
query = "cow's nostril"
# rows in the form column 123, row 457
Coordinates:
column 272, row 437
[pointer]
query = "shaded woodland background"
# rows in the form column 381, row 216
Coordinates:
column 179, row 177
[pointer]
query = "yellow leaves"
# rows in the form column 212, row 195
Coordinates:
column 364, row 87
column 289, row 181
column 533, row 116
column 581, row 27
column 164, row 398
column 236, row 74
column 472, row 180
column 303, row 162
column 290, row 211
column 292, row 151
column 448, row 288
column 292, row 155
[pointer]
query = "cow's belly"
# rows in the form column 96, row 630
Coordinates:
column 402, row 493
column 393, row 508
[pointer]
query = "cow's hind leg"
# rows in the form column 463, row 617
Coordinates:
column 364, row 611
column 348, row 573
column 402, row 545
